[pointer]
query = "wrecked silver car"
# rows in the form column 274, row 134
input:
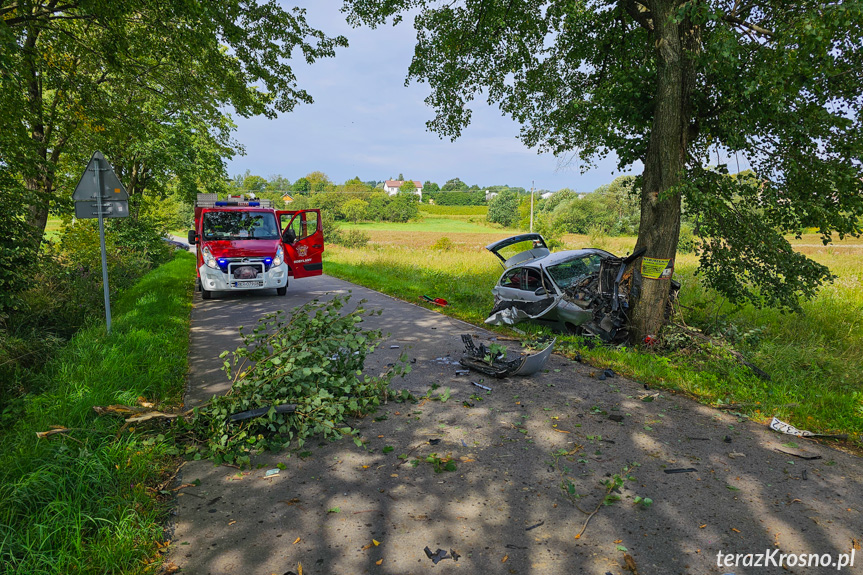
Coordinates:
column 583, row 292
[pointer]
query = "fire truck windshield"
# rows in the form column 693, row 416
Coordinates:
column 240, row 225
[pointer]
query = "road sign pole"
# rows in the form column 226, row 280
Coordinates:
column 113, row 198
column 104, row 253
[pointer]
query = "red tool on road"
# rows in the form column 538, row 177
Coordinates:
column 436, row 300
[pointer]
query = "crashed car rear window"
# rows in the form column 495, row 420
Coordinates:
column 515, row 249
column 568, row 272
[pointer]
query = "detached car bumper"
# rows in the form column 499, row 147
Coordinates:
column 217, row 280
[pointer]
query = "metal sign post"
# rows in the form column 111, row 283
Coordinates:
column 104, row 252
column 105, row 190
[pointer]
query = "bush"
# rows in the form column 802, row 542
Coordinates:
column 17, row 242
column 353, row 239
column 332, row 231
column 597, row 236
column 551, row 231
column 354, row 210
column 687, row 242
column 66, row 285
column 443, row 244
column 503, row 208
column 404, row 207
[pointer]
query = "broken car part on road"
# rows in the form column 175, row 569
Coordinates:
column 778, row 425
column 584, row 291
column 495, row 364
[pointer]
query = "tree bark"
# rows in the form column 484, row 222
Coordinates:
column 664, row 164
column 37, row 211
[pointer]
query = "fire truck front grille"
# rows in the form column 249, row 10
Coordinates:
column 245, row 271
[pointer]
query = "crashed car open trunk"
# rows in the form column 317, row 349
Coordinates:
column 586, row 291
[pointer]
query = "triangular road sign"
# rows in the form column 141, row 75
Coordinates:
column 110, row 187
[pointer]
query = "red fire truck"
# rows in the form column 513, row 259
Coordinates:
column 246, row 244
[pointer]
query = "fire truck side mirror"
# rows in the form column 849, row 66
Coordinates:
column 193, row 237
column 290, row 236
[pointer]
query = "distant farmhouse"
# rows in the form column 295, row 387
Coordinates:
column 393, row 186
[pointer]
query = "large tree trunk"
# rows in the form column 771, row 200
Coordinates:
column 38, row 182
column 664, row 163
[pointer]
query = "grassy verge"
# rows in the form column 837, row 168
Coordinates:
column 813, row 358
column 80, row 503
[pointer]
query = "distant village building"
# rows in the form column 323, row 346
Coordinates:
column 392, row 187
column 489, row 195
column 547, row 195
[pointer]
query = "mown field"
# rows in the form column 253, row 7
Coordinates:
column 430, row 223
column 813, row 358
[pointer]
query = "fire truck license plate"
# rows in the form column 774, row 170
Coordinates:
column 248, row 284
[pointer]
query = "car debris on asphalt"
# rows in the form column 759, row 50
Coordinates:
column 438, row 555
column 496, row 364
column 777, row 425
column 800, row 454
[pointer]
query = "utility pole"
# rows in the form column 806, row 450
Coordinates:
column 531, row 206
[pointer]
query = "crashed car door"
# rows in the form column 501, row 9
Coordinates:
column 520, row 295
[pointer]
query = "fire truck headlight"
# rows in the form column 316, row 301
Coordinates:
column 209, row 259
column 280, row 255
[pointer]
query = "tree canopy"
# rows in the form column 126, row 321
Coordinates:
column 682, row 86
column 145, row 82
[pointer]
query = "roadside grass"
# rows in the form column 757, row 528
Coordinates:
column 461, row 277
column 82, row 502
column 813, row 358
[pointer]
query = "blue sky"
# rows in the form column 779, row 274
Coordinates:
column 366, row 123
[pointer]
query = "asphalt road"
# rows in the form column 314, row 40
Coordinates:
column 503, row 510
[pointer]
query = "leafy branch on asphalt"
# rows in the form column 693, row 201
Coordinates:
column 312, row 361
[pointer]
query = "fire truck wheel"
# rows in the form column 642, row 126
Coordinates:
column 282, row 290
column 206, row 294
